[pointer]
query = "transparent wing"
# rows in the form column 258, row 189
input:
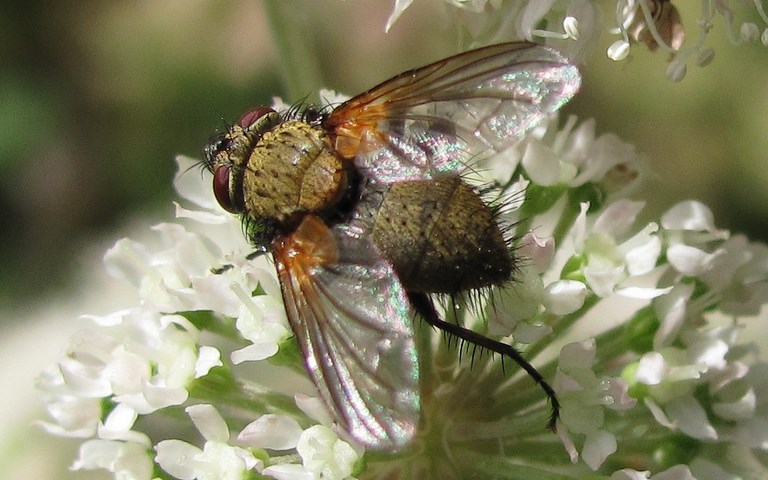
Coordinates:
column 432, row 120
column 353, row 322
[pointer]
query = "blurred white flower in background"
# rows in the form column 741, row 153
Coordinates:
column 576, row 26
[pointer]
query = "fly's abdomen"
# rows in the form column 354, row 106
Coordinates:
column 441, row 237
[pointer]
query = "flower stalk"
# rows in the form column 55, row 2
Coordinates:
column 300, row 65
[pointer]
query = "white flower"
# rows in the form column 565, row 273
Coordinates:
column 584, row 398
column 126, row 460
column 216, row 460
column 143, row 360
column 614, row 259
column 72, row 416
column 574, row 155
column 261, row 320
column 324, row 457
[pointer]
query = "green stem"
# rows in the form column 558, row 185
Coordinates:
column 567, row 219
column 300, row 65
column 611, row 344
column 241, row 399
column 484, row 465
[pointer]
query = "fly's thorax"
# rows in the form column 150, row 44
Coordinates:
column 292, row 170
column 440, row 236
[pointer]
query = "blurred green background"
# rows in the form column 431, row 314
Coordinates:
column 96, row 98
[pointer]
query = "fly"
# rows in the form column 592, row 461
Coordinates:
column 366, row 214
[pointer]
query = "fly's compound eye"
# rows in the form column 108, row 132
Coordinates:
column 259, row 119
column 224, row 192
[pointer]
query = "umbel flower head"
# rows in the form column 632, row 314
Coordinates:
column 637, row 326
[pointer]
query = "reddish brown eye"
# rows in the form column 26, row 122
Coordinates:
column 221, row 189
column 252, row 116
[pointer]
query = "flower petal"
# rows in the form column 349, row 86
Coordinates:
column 191, row 185
column 541, row 163
column 209, row 422
column 565, row 296
column 276, row 432
column 688, row 260
column 678, row 472
column 254, row 352
column 177, row 458
column 651, row 369
column 689, row 215
column 400, row 6
column 618, row 217
column 741, row 409
column 207, row 358
column 289, row 472
column 597, row 447
column 691, row 418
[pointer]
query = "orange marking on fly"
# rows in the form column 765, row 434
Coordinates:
column 358, row 133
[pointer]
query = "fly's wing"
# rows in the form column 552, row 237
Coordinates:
column 352, row 320
column 430, row 121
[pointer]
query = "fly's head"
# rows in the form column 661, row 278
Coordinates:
column 227, row 158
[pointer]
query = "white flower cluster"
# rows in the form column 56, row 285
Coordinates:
column 667, row 360
column 142, row 365
column 576, row 25
column 651, row 375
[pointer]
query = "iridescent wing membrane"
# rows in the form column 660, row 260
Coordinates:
column 352, row 320
column 433, row 120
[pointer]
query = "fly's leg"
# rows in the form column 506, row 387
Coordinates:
column 228, row 266
column 424, row 307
